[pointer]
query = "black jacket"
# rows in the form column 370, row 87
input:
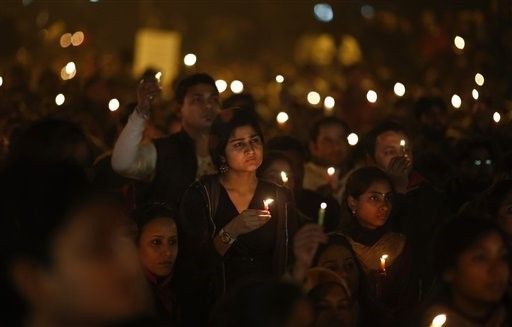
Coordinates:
column 176, row 168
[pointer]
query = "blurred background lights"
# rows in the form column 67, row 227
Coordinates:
column 279, row 78
column 313, row 98
column 190, row 59
column 221, row 85
column 77, row 38
column 371, row 96
column 59, row 99
column 282, row 117
column 479, row 79
column 70, row 68
column 236, row 86
column 399, row 89
column 496, row 117
column 113, row 104
column 329, row 102
column 352, row 139
column 459, row 42
column 367, row 11
column 323, row 12
column 65, row 40
column 456, row 101
column 475, row 94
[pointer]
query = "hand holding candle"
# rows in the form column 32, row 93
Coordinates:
column 266, row 203
column 383, row 259
column 321, row 213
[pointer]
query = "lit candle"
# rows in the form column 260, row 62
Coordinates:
column 402, row 146
column 331, row 171
column 284, row 177
column 383, row 262
column 321, row 213
column 267, row 202
column 438, row 320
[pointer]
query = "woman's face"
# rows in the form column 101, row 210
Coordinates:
column 274, row 170
column 372, row 208
column 340, row 260
column 337, row 305
column 481, row 272
column 504, row 218
column 158, row 246
column 94, row 275
column 244, row 151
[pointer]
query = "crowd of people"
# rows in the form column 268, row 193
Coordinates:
column 209, row 223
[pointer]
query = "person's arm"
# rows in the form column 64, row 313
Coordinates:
column 131, row 157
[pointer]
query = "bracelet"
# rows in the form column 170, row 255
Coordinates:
column 146, row 114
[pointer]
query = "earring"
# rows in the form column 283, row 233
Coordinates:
column 223, row 167
column 354, row 212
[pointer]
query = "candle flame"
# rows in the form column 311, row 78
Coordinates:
column 402, row 142
column 267, row 202
column 323, row 205
column 439, row 320
column 331, row 171
column 284, row 177
column 384, row 257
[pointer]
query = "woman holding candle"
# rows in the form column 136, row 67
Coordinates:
column 383, row 254
column 226, row 234
column 474, row 271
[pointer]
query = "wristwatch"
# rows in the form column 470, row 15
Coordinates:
column 226, row 238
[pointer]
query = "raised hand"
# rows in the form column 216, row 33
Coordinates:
column 147, row 90
column 399, row 169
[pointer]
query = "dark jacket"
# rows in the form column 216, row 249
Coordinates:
column 201, row 270
column 176, row 168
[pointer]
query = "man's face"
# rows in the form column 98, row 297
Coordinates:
column 387, row 146
column 331, row 147
column 200, row 106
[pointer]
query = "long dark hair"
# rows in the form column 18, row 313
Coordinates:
column 223, row 127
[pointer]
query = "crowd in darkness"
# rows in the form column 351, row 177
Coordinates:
column 201, row 219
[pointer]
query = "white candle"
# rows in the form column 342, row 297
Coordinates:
column 267, row 202
column 383, row 262
column 321, row 213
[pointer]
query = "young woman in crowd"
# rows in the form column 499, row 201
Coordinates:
column 227, row 234
column 471, row 259
column 383, row 255
column 157, row 243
